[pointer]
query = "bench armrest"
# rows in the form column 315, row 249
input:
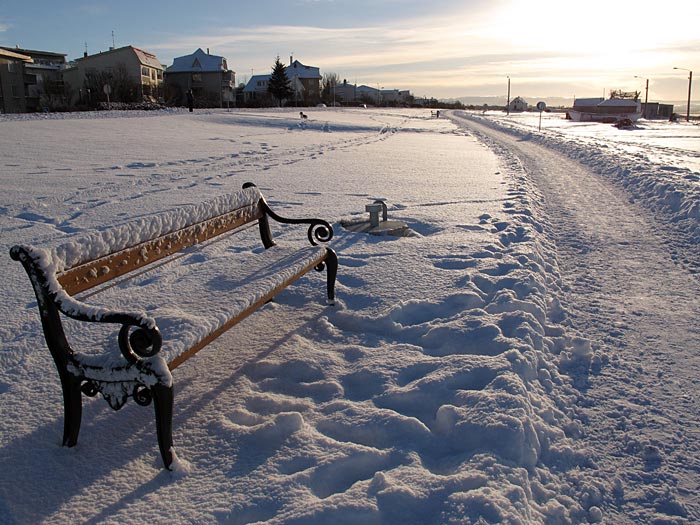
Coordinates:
column 319, row 230
column 139, row 336
column 144, row 341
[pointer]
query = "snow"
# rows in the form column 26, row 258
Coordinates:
column 112, row 240
column 471, row 373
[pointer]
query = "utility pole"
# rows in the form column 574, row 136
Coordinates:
column 690, row 83
column 646, row 97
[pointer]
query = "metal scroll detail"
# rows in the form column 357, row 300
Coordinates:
column 319, row 230
column 141, row 343
column 117, row 393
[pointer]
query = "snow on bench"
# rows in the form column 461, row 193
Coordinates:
column 172, row 266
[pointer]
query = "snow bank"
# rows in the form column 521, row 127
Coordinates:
column 671, row 190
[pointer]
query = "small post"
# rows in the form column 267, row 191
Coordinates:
column 373, row 210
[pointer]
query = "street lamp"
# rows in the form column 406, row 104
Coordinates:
column 508, row 99
column 690, row 83
column 646, row 97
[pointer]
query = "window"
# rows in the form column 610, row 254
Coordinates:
column 196, row 77
column 144, row 71
column 12, row 66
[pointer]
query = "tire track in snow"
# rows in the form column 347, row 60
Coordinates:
column 627, row 295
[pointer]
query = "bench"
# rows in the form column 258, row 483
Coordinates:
column 182, row 268
column 435, row 114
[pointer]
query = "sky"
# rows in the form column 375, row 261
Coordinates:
column 441, row 48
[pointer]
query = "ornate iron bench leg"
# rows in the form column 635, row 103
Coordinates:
column 163, row 404
column 72, row 408
column 331, row 273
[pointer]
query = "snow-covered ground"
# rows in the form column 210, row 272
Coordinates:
column 451, row 383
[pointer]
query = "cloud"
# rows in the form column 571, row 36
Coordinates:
column 447, row 55
column 93, row 9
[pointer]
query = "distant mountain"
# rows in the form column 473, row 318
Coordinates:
column 501, row 101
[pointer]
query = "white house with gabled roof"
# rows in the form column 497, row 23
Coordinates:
column 256, row 89
column 208, row 76
column 518, row 104
column 368, row 93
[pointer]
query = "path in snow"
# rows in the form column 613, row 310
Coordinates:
column 625, row 294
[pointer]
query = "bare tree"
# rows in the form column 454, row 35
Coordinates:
column 329, row 81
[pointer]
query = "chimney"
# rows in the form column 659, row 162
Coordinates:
column 291, row 59
column 207, row 51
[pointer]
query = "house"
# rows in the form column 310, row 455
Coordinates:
column 518, row 104
column 306, row 82
column 368, row 94
column 13, row 81
column 43, row 79
column 132, row 74
column 255, row 91
column 349, row 93
column 395, row 96
column 212, row 83
column 346, row 92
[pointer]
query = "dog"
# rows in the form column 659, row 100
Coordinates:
column 301, row 114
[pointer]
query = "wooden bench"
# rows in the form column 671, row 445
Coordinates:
column 172, row 266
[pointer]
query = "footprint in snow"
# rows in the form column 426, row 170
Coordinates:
column 455, row 263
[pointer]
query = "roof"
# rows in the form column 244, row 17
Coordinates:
column 588, row 101
column 11, row 54
column 33, row 51
column 197, row 61
column 619, row 102
column 299, row 70
column 146, row 58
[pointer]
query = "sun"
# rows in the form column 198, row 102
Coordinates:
column 598, row 27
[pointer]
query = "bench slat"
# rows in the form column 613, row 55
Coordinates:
column 104, row 269
column 177, row 361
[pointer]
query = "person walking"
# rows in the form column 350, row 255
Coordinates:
column 190, row 100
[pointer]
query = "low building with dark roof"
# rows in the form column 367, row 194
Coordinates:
column 13, row 81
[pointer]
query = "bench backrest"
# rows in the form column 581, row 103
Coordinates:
column 97, row 258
